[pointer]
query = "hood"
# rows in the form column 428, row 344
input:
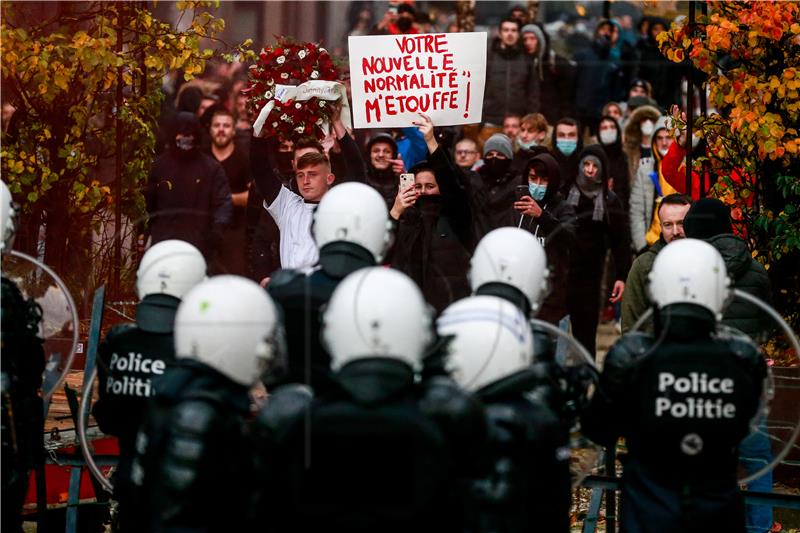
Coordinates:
column 537, row 30
column 597, row 151
column 661, row 124
column 734, row 252
column 554, row 181
column 616, row 146
column 633, row 132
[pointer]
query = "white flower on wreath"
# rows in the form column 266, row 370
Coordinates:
column 322, row 103
column 299, row 129
column 270, row 82
column 285, row 75
column 268, row 95
column 281, row 60
column 314, row 75
column 275, row 124
column 285, row 117
column 298, row 105
column 301, row 54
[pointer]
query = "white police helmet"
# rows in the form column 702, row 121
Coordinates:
column 170, row 267
column 7, row 214
column 690, row 271
column 514, row 257
column 377, row 312
column 493, row 340
column 230, row 324
column 353, row 212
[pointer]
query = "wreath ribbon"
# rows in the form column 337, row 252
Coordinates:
column 322, row 89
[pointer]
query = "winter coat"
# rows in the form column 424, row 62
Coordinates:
column 491, row 199
column 512, row 85
column 556, row 81
column 632, row 138
column 555, row 229
column 640, row 209
column 435, row 238
column 618, row 167
column 635, row 300
column 749, row 276
column 664, row 75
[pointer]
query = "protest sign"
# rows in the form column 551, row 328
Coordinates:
column 395, row 77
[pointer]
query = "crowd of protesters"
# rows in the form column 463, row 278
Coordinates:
column 574, row 146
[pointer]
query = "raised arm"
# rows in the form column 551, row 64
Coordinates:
column 262, row 169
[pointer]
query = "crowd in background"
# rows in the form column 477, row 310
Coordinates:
column 574, row 146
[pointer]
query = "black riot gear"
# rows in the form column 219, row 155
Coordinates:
column 23, row 362
column 683, row 400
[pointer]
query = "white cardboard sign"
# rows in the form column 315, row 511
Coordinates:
column 395, row 77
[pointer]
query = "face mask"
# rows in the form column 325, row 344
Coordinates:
column 537, row 190
column 566, row 146
column 663, row 151
column 608, row 136
column 185, row 143
column 647, row 127
column 497, row 168
column 526, row 145
column 695, row 142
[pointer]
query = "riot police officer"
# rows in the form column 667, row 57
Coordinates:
column 133, row 356
column 683, row 399
column 352, row 230
column 380, row 451
column 525, row 485
column 192, row 456
column 23, row 362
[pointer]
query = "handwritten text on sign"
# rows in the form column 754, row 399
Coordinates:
column 395, row 77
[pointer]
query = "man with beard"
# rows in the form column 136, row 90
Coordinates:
column 231, row 258
column 188, row 196
column 671, row 212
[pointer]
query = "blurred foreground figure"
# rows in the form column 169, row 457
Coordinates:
column 22, row 365
column 192, row 457
column 133, row 356
column 384, row 451
column 351, row 228
column 683, row 398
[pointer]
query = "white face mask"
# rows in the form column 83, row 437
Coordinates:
column 608, row 136
column 695, row 141
column 647, row 127
column 663, row 151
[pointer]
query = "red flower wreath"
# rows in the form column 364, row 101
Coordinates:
column 291, row 63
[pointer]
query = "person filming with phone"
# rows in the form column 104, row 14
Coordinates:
column 434, row 233
column 541, row 210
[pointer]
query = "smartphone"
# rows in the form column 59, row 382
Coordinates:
column 406, row 181
column 520, row 191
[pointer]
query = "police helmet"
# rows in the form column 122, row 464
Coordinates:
column 690, row 271
column 492, row 340
column 377, row 312
column 230, row 324
column 170, row 267
column 354, row 213
column 514, row 257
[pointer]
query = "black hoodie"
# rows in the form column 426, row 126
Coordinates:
column 595, row 237
column 555, row 229
column 617, row 164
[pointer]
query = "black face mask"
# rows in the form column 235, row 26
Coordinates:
column 404, row 23
column 429, row 204
column 497, row 168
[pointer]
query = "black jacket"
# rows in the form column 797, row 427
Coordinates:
column 680, row 474
column 435, row 238
column 556, row 230
column 194, row 459
column 402, row 477
column 188, row 198
column 749, row 276
column 129, row 360
column 512, row 85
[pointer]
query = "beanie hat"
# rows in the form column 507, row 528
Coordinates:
column 499, row 143
column 706, row 218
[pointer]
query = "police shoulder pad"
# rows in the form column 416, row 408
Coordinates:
column 284, row 405
column 284, row 277
column 118, row 330
column 629, row 348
